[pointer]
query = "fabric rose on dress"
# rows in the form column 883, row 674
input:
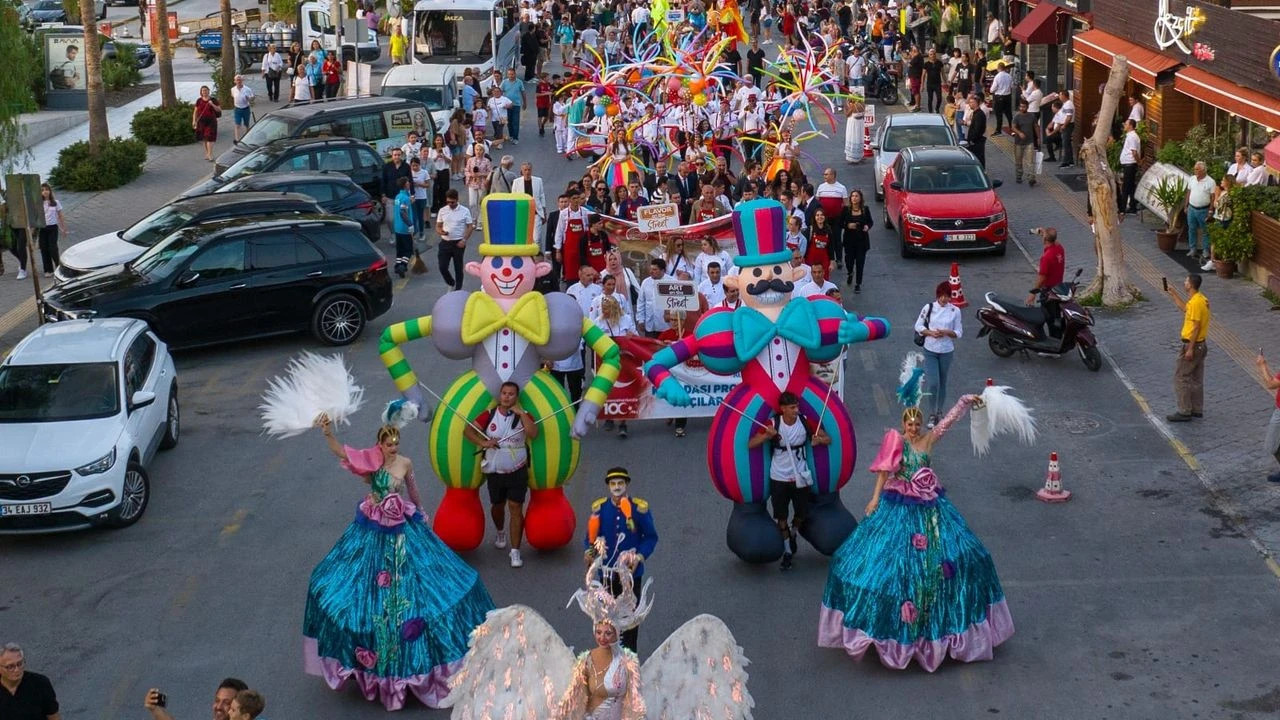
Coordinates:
column 412, row 629
column 919, row 541
column 923, row 485
column 384, row 579
column 948, row 570
column 366, row 657
column 388, row 513
column 909, row 612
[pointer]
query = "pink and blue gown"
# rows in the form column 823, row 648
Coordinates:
column 391, row 607
column 913, row 581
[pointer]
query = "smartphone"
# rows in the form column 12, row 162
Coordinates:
column 1165, row 283
column 161, row 699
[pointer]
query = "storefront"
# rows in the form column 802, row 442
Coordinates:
column 1191, row 62
column 1051, row 24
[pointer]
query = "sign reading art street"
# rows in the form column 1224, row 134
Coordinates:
column 677, row 295
column 656, row 218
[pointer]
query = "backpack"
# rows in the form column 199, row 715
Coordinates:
column 777, row 425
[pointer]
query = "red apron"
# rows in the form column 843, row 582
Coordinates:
column 818, row 252
column 596, row 248
column 575, row 231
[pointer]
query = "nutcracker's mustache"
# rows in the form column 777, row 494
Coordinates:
column 774, row 284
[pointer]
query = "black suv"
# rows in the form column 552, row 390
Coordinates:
column 243, row 278
column 354, row 158
column 122, row 246
column 336, row 193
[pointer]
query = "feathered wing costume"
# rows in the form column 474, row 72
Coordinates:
column 913, row 581
column 519, row 667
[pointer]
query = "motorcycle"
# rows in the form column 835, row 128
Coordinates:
column 877, row 81
column 1053, row 328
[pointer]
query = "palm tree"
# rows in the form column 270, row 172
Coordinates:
column 228, row 61
column 99, row 134
column 168, row 95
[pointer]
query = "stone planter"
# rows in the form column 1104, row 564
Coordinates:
column 1224, row 268
column 1166, row 241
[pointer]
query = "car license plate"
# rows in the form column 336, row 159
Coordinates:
column 27, row 509
column 961, row 237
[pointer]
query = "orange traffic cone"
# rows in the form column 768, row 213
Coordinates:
column 957, row 292
column 866, row 142
column 1052, row 491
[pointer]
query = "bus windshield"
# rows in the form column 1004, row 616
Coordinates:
column 453, row 36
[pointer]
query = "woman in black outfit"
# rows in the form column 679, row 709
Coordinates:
column 857, row 238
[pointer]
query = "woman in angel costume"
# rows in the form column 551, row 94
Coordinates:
column 519, row 667
column 913, row 581
column 391, row 606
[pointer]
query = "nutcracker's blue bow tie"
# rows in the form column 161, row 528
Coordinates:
column 752, row 330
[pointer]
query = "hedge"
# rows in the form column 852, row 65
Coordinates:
column 119, row 161
column 164, row 126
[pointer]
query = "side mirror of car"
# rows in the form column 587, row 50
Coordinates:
column 188, row 278
column 996, row 183
column 875, row 146
column 964, row 143
column 141, row 399
column 895, row 185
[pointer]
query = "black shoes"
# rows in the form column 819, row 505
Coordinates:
column 857, row 289
column 786, row 561
column 1179, row 417
column 1274, row 477
column 791, row 543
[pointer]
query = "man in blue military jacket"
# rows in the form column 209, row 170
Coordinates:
column 624, row 526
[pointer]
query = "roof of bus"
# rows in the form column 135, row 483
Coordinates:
column 422, row 5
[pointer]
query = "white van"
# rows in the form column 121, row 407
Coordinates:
column 435, row 86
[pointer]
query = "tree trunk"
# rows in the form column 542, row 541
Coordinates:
column 228, row 57
column 164, row 55
column 99, row 134
column 1112, row 279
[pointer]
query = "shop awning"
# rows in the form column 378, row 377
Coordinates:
column 1248, row 104
column 1144, row 64
column 1273, row 154
column 1040, row 26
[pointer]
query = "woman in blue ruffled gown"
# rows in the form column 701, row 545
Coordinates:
column 912, row 580
column 391, row 607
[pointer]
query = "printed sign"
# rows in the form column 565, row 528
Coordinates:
column 64, row 61
column 869, row 115
column 655, row 218
column 632, row 396
column 675, row 16
column 678, row 295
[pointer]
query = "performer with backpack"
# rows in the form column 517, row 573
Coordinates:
column 506, row 426
column 792, row 435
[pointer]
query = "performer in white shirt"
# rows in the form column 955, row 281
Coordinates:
column 712, row 287
column 650, row 317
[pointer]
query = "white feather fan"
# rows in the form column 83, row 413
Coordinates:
column 697, row 672
column 1000, row 414
column 314, row 384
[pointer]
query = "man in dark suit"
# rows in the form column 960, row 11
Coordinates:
column 977, row 135
column 689, row 189
column 549, row 236
column 810, row 205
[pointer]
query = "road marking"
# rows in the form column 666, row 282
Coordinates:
column 404, row 282
column 18, row 315
column 868, row 360
column 881, row 398
column 237, row 520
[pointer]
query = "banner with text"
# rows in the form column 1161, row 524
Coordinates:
column 632, row 397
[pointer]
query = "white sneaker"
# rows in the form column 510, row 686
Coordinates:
column 22, row 274
column 515, row 558
column 1208, row 265
column 501, row 542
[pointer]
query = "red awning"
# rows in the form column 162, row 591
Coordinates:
column 1040, row 26
column 1273, row 154
column 1144, row 64
column 1248, row 104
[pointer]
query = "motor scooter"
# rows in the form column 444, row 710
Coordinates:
column 877, row 81
column 1053, row 328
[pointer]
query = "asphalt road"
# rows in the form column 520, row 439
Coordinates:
column 1135, row 600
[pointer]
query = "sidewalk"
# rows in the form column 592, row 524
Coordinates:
column 1224, row 450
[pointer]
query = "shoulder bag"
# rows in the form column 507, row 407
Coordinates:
column 918, row 339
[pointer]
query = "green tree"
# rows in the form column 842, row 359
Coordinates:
column 164, row 56
column 99, row 133
column 16, row 85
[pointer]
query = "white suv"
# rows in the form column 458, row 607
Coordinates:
column 906, row 130
column 84, row 406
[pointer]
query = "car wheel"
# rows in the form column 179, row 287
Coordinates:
column 999, row 344
column 887, row 222
column 135, row 493
column 338, row 320
column 879, row 196
column 902, row 240
column 1001, row 249
column 889, row 94
column 172, row 421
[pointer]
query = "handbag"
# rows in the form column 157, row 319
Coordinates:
column 918, row 339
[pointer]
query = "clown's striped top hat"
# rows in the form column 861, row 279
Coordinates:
column 509, row 220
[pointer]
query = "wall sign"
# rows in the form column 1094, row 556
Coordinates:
column 1173, row 29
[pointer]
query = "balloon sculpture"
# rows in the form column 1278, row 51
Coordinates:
column 507, row 330
column 771, row 339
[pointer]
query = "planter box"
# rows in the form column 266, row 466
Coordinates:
column 1265, row 267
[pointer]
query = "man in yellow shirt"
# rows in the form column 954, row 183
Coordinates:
column 1188, row 375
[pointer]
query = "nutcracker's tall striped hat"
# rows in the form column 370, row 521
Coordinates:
column 509, row 220
column 758, row 227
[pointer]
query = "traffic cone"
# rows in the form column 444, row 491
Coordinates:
column 957, row 292
column 1052, row 491
column 866, row 142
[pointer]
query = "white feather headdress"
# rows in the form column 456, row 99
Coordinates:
column 1000, row 413
column 910, row 379
column 313, row 385
column 623, row 612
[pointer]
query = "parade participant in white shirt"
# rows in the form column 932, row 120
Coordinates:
column 818, row 283
column 506, row 429
column 1241, row 168
column 712, row 286
column 586, row 290
column 940, row 323
column 650, row 315
column 731, row 298
column 609, row 288
column 560, row 124
column 628, row 283
column 1130, row 156
column 710, row 253
column 1257, row 170
column 791, row 483
column 804, row 278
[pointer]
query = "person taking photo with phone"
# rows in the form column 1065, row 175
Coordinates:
column 157, row 702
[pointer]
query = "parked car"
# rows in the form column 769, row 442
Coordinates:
column 243, row 278
column 354, row 158
column 52, row 11
column 84, row 407
column 905, row 130
column 124, row 245
column 334, row 192
column 940, row 200
column 383, row 122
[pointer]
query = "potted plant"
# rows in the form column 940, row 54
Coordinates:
column 1232, row 245
column 1171, row 195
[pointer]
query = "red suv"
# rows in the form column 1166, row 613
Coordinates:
column 940, row 199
